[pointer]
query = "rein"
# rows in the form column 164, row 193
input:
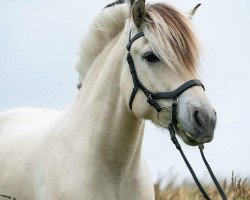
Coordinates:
column 151, row 99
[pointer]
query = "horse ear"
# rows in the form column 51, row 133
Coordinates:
column 138, row 12
column 192, row 11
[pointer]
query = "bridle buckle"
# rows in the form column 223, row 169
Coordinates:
column 150, row 100
column 175, row 100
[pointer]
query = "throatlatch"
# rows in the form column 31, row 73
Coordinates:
column 152, row 100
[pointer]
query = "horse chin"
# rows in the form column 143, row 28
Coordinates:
column 187, row 137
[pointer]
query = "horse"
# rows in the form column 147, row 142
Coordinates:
column 92, row 149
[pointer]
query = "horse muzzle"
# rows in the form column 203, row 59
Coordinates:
column 198, row 126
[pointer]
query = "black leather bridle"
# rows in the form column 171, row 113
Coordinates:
column 152, row 97
column 152, row 100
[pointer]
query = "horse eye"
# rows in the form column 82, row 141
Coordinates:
column 151, row 57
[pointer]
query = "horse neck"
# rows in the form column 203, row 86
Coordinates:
column 100, row 114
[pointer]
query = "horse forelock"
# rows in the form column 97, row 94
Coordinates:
column 172, row 38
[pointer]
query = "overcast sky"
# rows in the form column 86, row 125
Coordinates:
column 39, row 42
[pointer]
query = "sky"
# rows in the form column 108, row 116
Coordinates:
column 39, row 45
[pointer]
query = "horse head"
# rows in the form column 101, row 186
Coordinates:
column 166, row 58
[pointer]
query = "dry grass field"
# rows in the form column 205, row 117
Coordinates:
column 236, row 189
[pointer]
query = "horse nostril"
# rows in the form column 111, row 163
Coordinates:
column 197, row 119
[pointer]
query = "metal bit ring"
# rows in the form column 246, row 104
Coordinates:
column 158, row 115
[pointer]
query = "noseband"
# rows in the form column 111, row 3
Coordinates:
column 152, row 100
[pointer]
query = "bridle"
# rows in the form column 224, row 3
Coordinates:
column 152, row 97
column 173, row 125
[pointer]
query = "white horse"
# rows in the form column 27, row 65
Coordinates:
column 92, row 150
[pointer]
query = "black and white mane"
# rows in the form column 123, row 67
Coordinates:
column 115, row 3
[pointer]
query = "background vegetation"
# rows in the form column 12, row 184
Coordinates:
column 236, row 189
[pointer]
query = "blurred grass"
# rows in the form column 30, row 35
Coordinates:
column 236, row 189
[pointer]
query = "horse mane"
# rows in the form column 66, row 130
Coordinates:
column 109, row 23
column 115, row 3
column 168, row 31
